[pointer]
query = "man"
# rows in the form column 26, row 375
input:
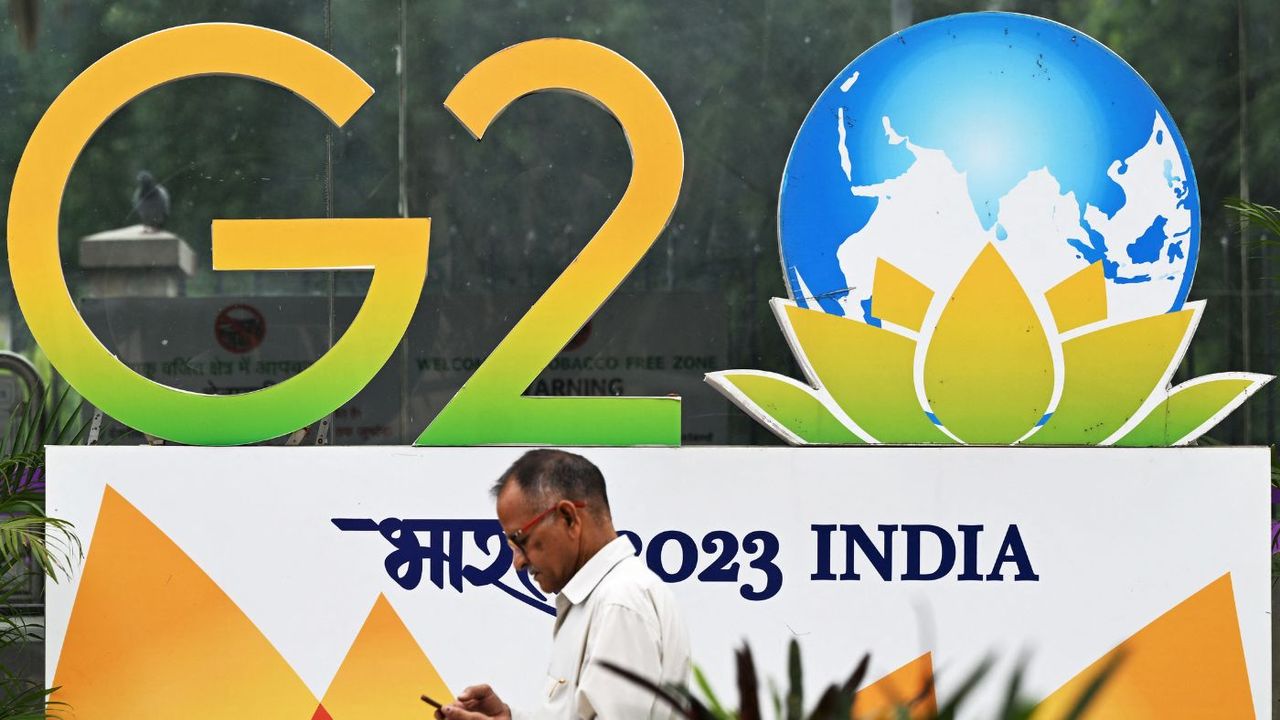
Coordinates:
column 555, row 512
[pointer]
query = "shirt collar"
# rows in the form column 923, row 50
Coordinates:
column 591, row 573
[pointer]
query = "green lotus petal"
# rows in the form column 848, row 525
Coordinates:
column 1099, row 393
column 1192, row 408
column 868, row 371
column 787, row 408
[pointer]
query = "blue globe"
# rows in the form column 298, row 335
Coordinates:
column 989, row 128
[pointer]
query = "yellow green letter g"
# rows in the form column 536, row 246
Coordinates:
column 396, row 249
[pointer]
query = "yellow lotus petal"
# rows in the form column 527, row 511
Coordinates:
column 787, row 408
column 867, row 370
column 1192, row 409
column 988, row 372
column 1080, row 299
column 1109, row 373
column 898, row 297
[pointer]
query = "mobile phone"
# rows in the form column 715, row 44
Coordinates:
column 431, row 702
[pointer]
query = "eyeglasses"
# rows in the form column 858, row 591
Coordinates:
column 521, row 536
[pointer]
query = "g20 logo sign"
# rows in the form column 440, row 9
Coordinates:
column 490, row 408
column 989, row 226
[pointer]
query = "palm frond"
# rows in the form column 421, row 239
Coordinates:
column 854, row 683
column 73, row 427
column 50, row 542
column 776, row 695
column 31, row 542
column 44, row 420
column 948, row 711
column 1012, row 694
column 677, row 698
column 717, row 708
column 1262, row 216
column 838, row 701
column 833, row 704
column 24, row 699
column 1091, row 691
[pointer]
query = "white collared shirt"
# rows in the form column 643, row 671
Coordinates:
column 613, row 608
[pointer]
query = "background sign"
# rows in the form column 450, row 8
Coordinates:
column 265, row 579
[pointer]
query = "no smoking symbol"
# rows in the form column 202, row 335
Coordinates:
column 239, row 328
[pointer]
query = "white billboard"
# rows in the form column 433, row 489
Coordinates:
column 209, row 567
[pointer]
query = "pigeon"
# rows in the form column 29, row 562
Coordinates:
column 151, row 202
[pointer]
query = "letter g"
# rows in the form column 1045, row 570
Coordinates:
column 396, row 249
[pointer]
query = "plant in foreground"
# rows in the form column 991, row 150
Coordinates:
column 841, row 701
column 32, row 544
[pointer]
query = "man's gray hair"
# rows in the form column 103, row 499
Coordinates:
column 548, row 476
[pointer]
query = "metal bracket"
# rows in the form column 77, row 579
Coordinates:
column 95, row 427
column 322, row 431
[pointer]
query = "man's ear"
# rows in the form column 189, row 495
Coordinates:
column 570, row 513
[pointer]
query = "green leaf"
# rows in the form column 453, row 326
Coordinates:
column 834, row 704
column 1014, row 706
column 31, row 541
column 776, row 694
column 709, row 695
column 854, row 683
column 795, row 678
column 748, row 686
column 1262, row 216
column 1094, row 687
column 675, row 696
column 948, row 711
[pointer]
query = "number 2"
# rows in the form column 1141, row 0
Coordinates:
column 721, row 569
column 490, row 408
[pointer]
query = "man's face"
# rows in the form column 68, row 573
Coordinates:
column 551, row 546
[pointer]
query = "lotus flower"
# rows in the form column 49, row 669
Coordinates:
column 988, row 366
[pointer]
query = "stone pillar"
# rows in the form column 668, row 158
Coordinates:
column 136, row 261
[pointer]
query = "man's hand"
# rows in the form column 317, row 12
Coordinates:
column 478, row 702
